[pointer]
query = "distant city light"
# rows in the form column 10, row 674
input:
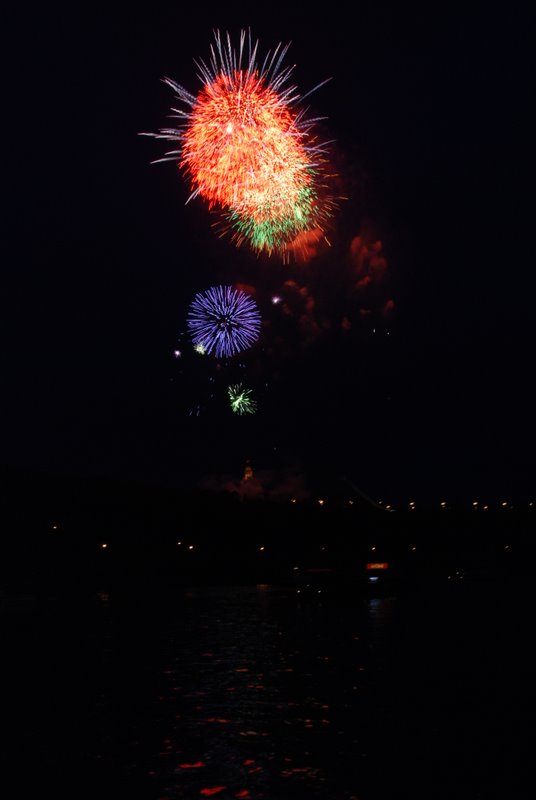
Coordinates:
column 190, row 547
column 276, row 299
column 321, row 502
column 104, row 545
column 179, row 544
column 261, row 548
column 177, row 353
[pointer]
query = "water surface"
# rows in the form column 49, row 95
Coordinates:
column 251, row 692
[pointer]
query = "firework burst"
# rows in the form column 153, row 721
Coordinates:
column 224, row 321
column 276, row 228
column 247, row 149
column 241, row 399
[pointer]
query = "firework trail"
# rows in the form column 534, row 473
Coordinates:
column 223, row 321
column 247, row 149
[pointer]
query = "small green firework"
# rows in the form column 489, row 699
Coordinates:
column 241, row 399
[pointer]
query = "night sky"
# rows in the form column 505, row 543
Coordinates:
column 427, row 387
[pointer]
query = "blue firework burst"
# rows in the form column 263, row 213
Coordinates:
column 224, row 321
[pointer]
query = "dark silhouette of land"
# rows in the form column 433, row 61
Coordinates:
column 92, row 534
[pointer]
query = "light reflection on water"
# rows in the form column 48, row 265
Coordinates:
column 251, row 692
column 255, row 691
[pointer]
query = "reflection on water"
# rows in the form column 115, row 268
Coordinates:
column 248, row 692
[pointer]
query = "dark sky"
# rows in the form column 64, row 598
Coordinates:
column 428, row 109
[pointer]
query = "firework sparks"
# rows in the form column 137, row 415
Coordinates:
column 241, row 400
column 224, row 321
column 247, row 149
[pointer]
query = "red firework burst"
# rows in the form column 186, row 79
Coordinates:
column 247, row 149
